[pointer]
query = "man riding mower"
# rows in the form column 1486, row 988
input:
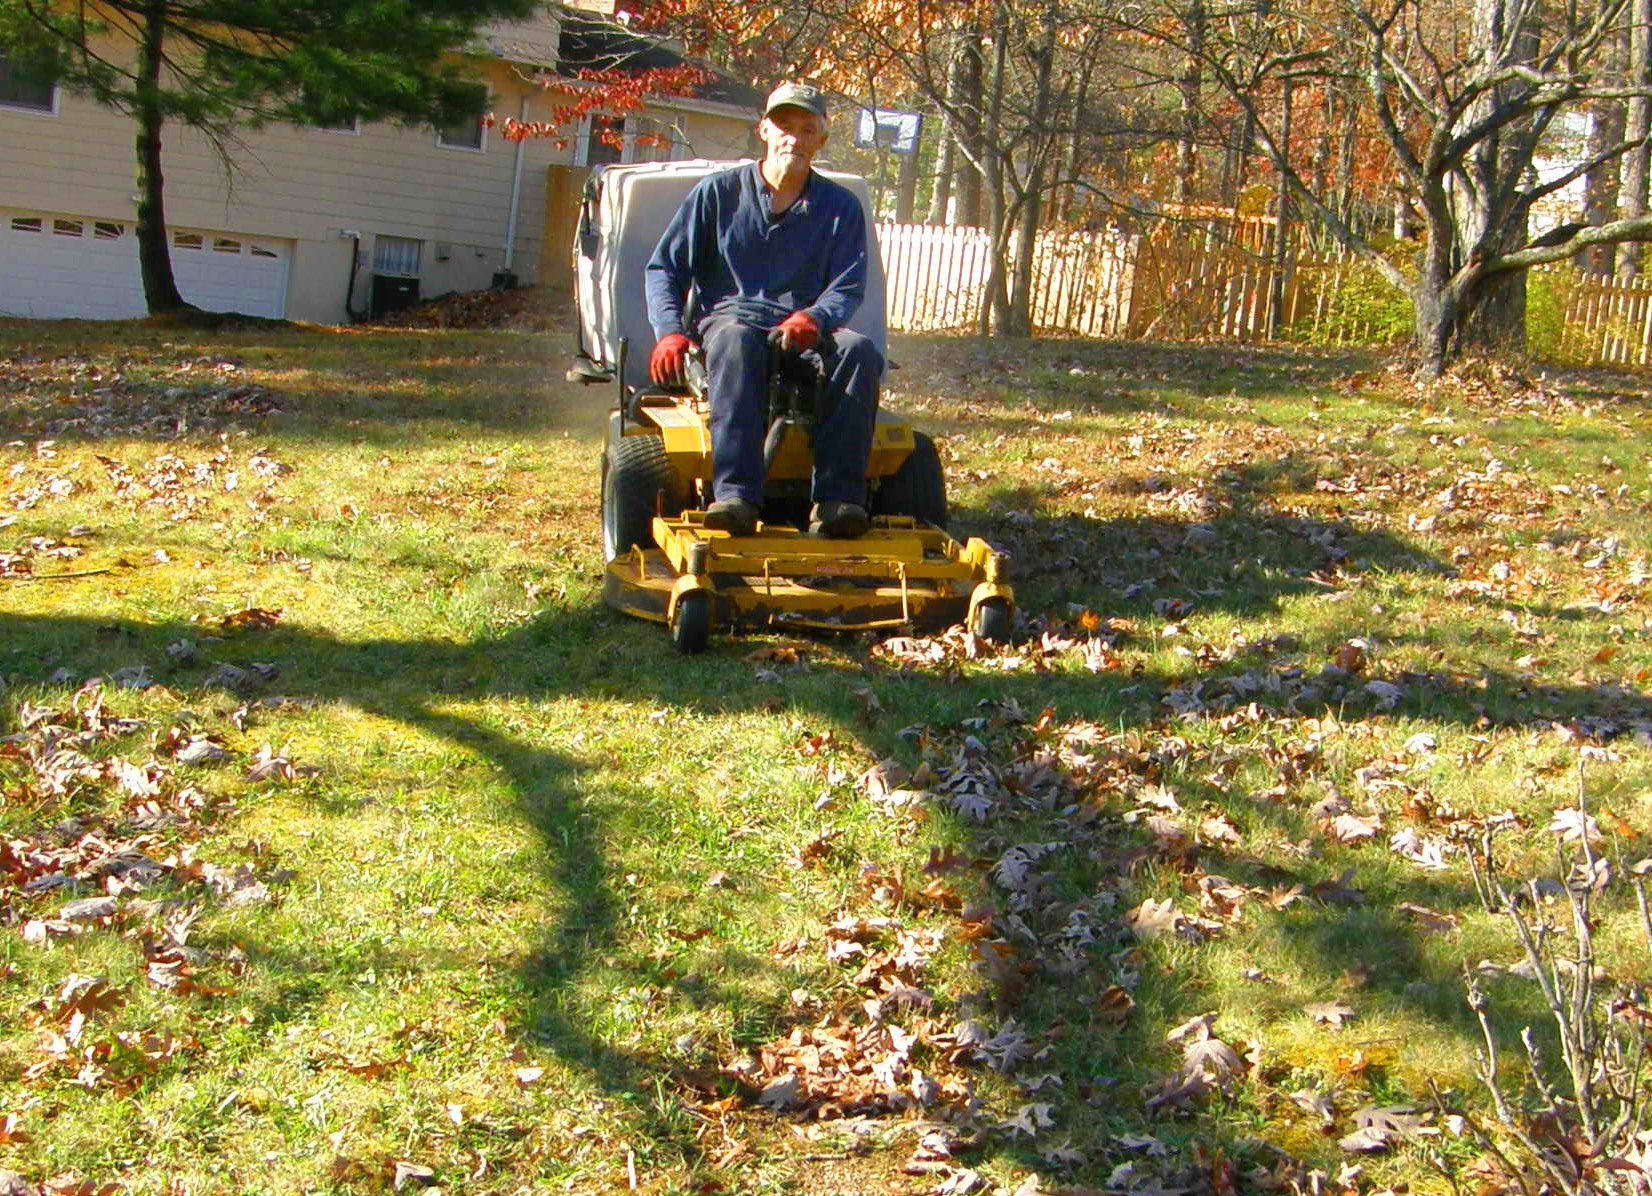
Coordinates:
column 770, row 491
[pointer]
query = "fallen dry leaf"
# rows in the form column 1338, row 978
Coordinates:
column 1115, row 1004
column 201, row 750
column 1573, row 826
column 1351, row 828
column 1330, row 1013
column 1317, row 1103
column 254, row 618
column 1380, row 1128
column 1429, row 919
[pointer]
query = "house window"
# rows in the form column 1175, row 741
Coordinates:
column 261, row 251
column 186, row 241
column 322, row 114
column 467, row 133
column 607, row 139
column 602, row 140
column 396, row 255
column 17, row 91
column 105, row 230
column 651, row 140
column 225, row 245
column 68, row 228
column 27, row 224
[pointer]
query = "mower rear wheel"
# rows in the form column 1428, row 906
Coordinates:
column 917, row 488
column 691, row 623
column 992, row 621
column 636, row 476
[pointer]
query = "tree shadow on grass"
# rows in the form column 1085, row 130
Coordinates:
column 413, row 683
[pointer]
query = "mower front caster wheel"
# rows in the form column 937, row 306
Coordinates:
column 992, row 621
column 691, row 624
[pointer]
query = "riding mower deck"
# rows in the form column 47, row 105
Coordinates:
column 664, row 564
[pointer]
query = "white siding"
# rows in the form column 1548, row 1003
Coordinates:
column 309, row 185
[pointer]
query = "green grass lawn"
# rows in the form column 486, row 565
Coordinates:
column 349, row 844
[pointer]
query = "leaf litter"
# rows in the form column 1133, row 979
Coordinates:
column 114, row 850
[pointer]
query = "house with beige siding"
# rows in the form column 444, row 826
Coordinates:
column 324, row 224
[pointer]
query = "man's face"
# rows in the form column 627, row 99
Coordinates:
column 792, row 132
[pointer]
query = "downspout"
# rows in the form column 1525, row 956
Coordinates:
column 516, row 201
column 356, row 317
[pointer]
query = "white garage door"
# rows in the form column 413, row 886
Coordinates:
column 54, row 266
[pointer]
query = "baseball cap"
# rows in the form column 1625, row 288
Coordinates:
column 797, row 95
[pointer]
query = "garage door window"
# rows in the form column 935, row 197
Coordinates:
column 28, row 94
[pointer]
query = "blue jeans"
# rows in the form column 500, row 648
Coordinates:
column 737, row 361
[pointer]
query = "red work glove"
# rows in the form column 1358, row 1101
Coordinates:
column 670, row 359
column 798, row 332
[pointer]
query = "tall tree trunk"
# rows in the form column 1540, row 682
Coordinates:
column 1187, row 145
column 160, row 288
column 1347, row 109
column 969, row 180
column 1238, row 162
column 940, row 196
column 1638, row 126
column 1490, row 312
column 1032, row 204
column 1492, row 317
column 1607, row 118
column 1282, row 226
column 906, row 187
column 1322, row 143
column 946, row 159
column 995, row 306
column 1346, row 150
column 1433, row 304
column 1402, row 211
column 1067, row 199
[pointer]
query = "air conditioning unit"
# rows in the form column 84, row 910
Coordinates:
column 392, row 292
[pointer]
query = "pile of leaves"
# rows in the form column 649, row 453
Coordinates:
column 526, row 309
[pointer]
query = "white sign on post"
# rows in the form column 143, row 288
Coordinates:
column 889, row 129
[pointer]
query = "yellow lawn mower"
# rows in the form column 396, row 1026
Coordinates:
column 662, row 562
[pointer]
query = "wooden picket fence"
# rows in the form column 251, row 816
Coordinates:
column 1110, row 285
column 1606, row 321
column 1196, row 288
column 935, row 276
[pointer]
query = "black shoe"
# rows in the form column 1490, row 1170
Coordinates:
column 838, row 520
column 735, row 516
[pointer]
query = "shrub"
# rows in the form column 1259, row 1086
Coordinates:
column 1547, row 337
column 1363, row 308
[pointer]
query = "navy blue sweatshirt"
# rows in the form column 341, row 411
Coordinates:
column 724, row 242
